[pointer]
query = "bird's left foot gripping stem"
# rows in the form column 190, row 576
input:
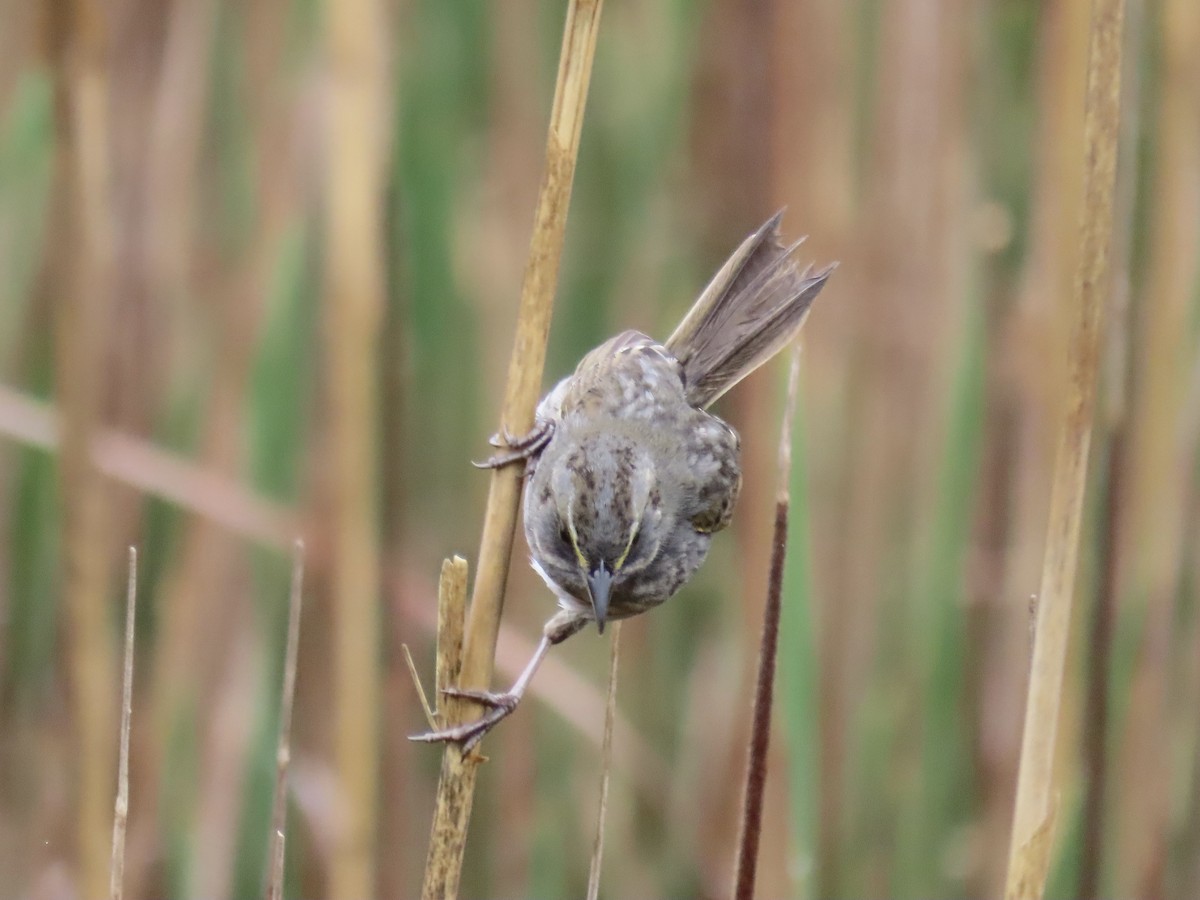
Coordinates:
column 518, row 448
column 499, row 706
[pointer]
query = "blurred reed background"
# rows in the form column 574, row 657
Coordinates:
column 259, row 262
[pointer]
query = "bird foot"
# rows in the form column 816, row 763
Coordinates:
column 519, row 447
column 471, row 733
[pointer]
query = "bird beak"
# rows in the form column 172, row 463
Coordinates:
column 600, row 586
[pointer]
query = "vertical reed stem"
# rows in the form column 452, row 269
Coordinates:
column 353, row 303
column 283, row 746
column 82, row 234
column 610, row 714
column 456, row 785
column 116, row 878
column 533, row 326
column 764, row 690
column 448, row 834
column 1032, row 834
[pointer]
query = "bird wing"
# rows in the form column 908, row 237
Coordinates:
column 751, row 309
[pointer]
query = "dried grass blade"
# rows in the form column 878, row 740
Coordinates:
column 606, row 757
column 1032, row 833
column 764, row 691
column 116, row 881
column 283, row 748
column 456, row 786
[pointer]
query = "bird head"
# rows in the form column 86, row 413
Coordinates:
column 597, row 518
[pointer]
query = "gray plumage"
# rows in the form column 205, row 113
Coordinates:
column 637, row 476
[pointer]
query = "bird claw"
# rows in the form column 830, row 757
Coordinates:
column 490, row 699
column 519, row 448
column 471, row 733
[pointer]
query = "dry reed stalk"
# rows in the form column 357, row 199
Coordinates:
column 116, row 872
column 1114, row 421
column 283, row 747
column 533, row 326
column 353, row 304
column 443, row 865
column 457, row 782
column 1033, row 822
column 82, row 232
column 764, row 690
column 1029, row 367
column 606, row 757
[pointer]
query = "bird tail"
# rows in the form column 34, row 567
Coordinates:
column 750, row 311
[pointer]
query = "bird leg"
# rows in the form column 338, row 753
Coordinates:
column 520, row 447
column 564, row 624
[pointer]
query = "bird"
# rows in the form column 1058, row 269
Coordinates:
column 628, row 476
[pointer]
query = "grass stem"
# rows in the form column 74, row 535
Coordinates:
column 116, row 880
column 1033, row 826
column 764, row 689
column 283, row 747
column 456, row 785
column 606, row 757
column 443, row 865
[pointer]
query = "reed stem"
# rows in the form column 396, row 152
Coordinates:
column 764, row 690
column 1033, row 821
column 606, row 757
column 353, row 303
column 116, row 880
column 283, row 746
column 456, row 785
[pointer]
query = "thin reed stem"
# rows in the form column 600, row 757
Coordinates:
column 456, row 785
column 1115, row 425
column 606, row 757
column 1033, row 825
column 764, row 689
column 116, row 878
column 82, row 232
column 283, row 746
column 533, row 326
column 452, row 809
column 353, row 302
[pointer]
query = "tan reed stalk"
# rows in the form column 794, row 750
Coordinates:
column 352, row 308
column 1033, row 821
column 1027, row 377
column 606, row 757
column 283, row 747
column 116, row 871
column 82, row 238
column 452, row 810
column 1113, row 522
column 764, row 690
column 457, row 782
column 533, row 325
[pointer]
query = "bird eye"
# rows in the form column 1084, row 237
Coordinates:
column 564, row 535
